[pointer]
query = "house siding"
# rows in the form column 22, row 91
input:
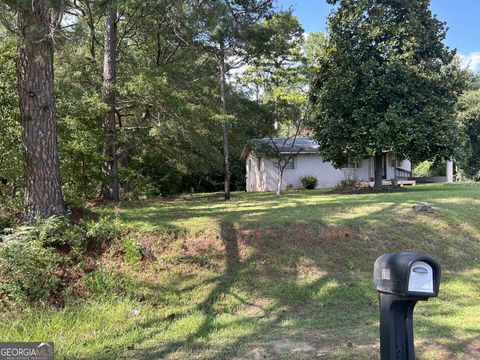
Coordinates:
column 262, row 173
column 256, row 174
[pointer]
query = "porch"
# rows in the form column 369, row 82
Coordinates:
column 389, row 183
column 401, row 176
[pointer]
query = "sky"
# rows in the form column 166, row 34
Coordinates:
column 462, row 17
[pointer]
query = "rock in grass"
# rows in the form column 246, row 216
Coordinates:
column 423, row 208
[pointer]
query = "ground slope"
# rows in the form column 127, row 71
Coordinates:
column 266, row 277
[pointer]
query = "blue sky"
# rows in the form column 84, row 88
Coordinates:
column 462, row 17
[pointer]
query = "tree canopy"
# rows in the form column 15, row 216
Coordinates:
column 197, row 80
column 388, row 83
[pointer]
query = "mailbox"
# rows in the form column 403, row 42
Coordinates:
column 402, row 279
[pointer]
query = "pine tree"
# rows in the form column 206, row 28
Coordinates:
column 35, row 24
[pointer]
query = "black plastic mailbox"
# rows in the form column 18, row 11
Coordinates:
column 401, row 280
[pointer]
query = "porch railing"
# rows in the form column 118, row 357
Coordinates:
column 402, row 174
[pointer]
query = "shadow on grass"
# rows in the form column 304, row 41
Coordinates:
column 316, row 277
column 271, row 272
column 225, row 282
column 304, row 207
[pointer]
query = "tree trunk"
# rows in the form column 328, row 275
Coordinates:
column 378, row 159
column 223, row 98
column 279, row 182
column 276, row 124
column 43, row 191
column 109, row 189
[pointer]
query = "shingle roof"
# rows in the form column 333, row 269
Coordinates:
column 299, row 145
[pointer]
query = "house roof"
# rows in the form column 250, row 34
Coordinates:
column 291, row 145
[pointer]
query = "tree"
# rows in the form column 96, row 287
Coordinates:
column 468, row 116
column 110, row 190
column 36, row 22
column 388, row 84
column 277, row 63
column 279, row 74
column 229, row 28
column 167, row 134
column 283, row 151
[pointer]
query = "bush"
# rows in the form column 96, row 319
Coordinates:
column 54, row 231
column 132, row 251
column 429, row 168
column 28, row 271
column 104, row 229
column 347, row 183
column 34, row 259
column 308, row 182
column 10, row 210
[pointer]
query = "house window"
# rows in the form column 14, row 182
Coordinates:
column 353, row 164
column 290, row 165
column 396, row 163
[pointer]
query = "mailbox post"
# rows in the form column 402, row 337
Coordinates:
column 402, row 279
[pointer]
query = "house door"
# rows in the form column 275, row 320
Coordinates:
column 384, row 166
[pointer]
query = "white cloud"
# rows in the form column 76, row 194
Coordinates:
column 471, row 61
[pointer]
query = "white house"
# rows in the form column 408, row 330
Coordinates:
column 262, row 173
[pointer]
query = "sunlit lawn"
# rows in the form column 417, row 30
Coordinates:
column 272, row 277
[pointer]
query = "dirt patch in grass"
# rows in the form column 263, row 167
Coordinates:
column 364, row 190
column 315, row 344
column 296, row 235
column 162, row 245
column 473, row 348
column 430, row 348
column 258, row 307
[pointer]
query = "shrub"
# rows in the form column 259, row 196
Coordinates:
column 132, row 251
column 308, row 182
column 28, row 271
column 32, row 267
column 10, row 210
column 347, row 183
column 103, row 229
column 54, row 231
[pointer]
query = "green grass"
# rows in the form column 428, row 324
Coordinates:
column 282, row 277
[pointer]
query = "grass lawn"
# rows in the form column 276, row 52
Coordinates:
column 266, row 277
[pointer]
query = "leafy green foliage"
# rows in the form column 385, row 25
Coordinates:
column 169, row 133
column 28, row 272
column 429, row 168
column 278, row 73
column 103, row 229
column 389, row 82
column 468, row 117
column 33, row 258
column 10, row 210
column 11, row 156
column 309, row 182
column 132, row 251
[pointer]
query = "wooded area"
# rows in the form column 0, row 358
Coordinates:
column 124, row 130
column 159, row 97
